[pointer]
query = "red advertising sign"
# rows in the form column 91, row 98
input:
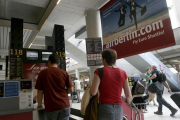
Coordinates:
column 31, row 70
column 136, row 26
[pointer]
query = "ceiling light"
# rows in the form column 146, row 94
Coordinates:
column 30, row 45
column 58, row 1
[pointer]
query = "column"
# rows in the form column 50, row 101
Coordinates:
column 77, row 73
column 93, row 28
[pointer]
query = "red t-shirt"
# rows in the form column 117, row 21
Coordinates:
column 111, row 85
column 54, row 81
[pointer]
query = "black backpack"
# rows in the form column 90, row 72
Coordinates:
column 155, row 87
column 161, row 77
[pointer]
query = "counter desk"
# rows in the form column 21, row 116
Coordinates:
column 28, row 114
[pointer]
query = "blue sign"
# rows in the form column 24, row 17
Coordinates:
column 11, row 89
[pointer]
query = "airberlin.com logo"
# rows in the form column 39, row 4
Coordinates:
column 36, row 69
column 133, row 35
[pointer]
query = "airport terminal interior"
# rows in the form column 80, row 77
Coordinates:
column 65, row 27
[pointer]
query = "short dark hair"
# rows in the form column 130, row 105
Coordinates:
column 54, row 59
column 110, row 55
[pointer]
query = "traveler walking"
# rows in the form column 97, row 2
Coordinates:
column 149, row 82
column 160, row 98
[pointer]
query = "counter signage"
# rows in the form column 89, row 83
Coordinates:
column 94, row 49
column 25, row 95
column 16, row 63
column 130, row 31
column 32, row 70
column 1, row 89
column 11, row 89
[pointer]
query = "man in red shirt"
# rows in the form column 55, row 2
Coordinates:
column 55, row 84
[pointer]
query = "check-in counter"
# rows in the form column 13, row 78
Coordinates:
column 16, row 101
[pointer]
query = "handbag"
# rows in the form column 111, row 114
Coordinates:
column 155, row 87
column 91, row 111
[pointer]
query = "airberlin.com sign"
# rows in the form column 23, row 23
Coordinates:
column 135, row 26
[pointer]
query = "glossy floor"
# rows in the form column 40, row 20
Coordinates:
column 151, row 108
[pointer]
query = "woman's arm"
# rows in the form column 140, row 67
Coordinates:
column 127, row 92
column 95, row 85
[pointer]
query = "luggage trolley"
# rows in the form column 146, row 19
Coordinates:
column 135, row 109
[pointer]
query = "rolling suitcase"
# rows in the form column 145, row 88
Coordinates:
column 176, row 98
column 143, row 11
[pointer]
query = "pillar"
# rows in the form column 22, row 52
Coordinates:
column 77, row 74
column 94, row 30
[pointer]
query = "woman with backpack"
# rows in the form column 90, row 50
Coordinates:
column 149, row 82
column 110, row 86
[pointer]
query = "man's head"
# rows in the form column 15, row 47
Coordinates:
column 153, row 67
column 120, row 4
column 53, row 60
column 132, row 0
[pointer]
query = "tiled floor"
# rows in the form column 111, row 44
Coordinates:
column 150, row 115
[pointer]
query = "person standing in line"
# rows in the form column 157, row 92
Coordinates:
column 160, row 99
column 132, row 5
column 77, row 88
column 122, row 11
column 111, row 84
column 55, row 84
column 149, row 82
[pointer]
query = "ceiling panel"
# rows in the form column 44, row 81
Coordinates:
column 67, row 17
column 84, row 3
column 72, row 7
column 30, row 14
column 53, row 15
column 31, row 11
column 39, row 3
column 65, row 1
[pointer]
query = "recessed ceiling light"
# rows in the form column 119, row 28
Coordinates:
column 58, row 1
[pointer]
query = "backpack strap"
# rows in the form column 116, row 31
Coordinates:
column 100, row 72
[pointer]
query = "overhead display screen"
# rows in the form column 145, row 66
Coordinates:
column 45, row 55
column 32, row 55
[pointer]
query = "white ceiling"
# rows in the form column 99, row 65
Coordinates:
column 69, row 13
column 31, row 11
